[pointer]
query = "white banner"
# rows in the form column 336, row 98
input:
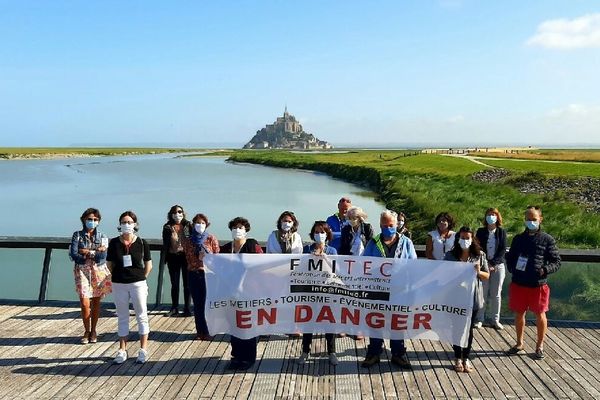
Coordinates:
column 257, row 294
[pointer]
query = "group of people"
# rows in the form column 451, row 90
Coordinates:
column 122, row 265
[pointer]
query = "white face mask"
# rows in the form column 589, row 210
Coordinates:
column 465, row 243
column 177, row 217
column 286, row 226
column 200, row 228
column 320, row 237
column 238, row 233
column 127, row 228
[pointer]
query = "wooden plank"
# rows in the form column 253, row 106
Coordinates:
column 348, row 374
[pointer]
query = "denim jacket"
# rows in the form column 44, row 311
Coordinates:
column 81, row 241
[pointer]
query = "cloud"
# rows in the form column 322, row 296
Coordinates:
column 567, row 34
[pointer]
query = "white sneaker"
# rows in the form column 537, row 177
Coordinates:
column 302, row 359
column 333, row 360
column 121, row 357
column 142, row 356
column 477, row 325
column 497, row 325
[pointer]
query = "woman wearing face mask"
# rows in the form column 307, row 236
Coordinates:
column 467, row 249
column 92, row 277
column 243, row 351
column 441, row 240
column 286, row 239
column 356, row 234
column 130, row 262
column 173, row 234
column 198, row 243
column 321, row 234
column 493, row 241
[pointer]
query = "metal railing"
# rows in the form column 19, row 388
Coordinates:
column 63, row 243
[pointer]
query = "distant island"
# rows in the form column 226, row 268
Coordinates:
column 285, row 133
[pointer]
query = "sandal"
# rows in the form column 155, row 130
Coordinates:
column 458, row 365
column 515, row 350
column 86, row 338
column 539, row 353
column 468, row 366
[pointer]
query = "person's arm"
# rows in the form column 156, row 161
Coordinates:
column 166, row 237
column 500, row 254
column 74, row 253
column 147, row 258
column 482, row 268
column 551, row 257
column 272, row 244
column 297, row 244
column 214, row 244
column 100, row 257
column 513, row 254
column 429, row 248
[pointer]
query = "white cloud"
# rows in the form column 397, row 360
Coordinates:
column 456, row 119
column 566, row 34
column 574, row 111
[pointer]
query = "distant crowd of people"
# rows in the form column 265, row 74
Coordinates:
column 122, row 264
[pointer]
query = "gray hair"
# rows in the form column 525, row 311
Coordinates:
column 389, row 214
column 356, row 212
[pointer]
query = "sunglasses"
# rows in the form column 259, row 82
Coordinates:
column 179, row 211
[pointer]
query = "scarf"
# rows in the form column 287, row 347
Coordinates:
column 198, row 241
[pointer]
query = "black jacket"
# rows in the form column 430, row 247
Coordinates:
column 499, row 250
column 346, row 238
column 542, row 258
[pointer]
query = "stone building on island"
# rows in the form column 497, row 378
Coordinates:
column 285, row 133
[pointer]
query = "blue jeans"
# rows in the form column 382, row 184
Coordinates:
column 376, row 347
column 492, row 295
column 197, row 285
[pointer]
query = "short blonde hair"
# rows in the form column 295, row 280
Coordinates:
column 356, row 213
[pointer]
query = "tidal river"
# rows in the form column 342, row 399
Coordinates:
column 47, row 197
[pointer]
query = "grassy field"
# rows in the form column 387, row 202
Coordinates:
column 587, row 155
column 41, row 152
column 551, row 168
column 424, row 185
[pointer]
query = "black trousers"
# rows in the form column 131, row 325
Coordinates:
column 197, row 284
column 307, row 341
column 177, row 265
column 463, row 352
column 243, row 349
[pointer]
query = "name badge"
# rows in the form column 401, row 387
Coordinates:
column 104, row 242
column 522, row 263
column 127, row 261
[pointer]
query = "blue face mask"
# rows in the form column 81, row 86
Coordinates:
column 388, row 232
column 491, row 219
column 91, row 224
column 532, row 225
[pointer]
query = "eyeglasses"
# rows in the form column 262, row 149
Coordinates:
column 179, row 211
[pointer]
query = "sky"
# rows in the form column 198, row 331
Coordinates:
column 397, row 73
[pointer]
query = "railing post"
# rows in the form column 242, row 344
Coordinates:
column 45, row 274
column 159, row 285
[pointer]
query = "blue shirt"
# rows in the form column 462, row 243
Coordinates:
column 330, row 251
column 81, row 241
column 408, row 249
column 335, row 224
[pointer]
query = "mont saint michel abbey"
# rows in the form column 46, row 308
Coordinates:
column 285, row 133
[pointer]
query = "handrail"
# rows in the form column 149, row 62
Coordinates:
column 63, row 243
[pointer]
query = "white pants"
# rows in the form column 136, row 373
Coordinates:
column 137, row 292
column 492, row 295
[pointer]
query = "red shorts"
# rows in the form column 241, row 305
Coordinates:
column 523, row 298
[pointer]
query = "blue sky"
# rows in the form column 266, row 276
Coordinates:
column 389, row 72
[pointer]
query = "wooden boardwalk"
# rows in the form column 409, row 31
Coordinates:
column 40, row 358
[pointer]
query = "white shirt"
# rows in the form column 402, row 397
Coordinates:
column 440, row 245
column 274, row 247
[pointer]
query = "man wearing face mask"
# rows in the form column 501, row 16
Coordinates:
column 285, row 239
column 174, row 231
column 389, row 244
column 532, row 257
column 337, row 221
